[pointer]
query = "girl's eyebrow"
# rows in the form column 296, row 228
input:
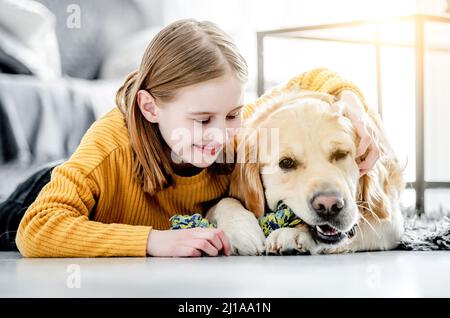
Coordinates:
column 210, row 113
column 239, row 107
column 201, row 113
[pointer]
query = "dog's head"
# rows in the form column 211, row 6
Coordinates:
column 306, row 159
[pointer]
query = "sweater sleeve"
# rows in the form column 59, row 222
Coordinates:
column 57, row 224
column 319, row 80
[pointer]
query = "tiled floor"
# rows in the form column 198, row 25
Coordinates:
column 381, row 274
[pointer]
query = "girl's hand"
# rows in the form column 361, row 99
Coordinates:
column 188, row 242
column 352, row 107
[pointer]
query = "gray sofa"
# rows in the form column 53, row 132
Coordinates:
column 44, row 120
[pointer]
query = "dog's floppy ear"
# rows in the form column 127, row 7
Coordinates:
column 246, row 185
column 385, row 177
column 382, row 182
column 371, row 197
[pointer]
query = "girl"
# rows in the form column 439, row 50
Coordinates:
column 131, row 172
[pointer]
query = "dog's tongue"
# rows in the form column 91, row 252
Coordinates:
column 326, row 230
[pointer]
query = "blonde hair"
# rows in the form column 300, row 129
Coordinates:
column 184, row 53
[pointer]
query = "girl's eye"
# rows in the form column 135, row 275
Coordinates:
column 203, row 121
column 234, row 116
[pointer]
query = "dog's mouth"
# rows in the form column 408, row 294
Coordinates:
column 328, row 234
column 325, row 233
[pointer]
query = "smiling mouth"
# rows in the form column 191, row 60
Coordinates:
column 328, row 234
column 208, row 149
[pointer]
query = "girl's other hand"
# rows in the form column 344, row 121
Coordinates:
column 188, row 242
column 353, row 109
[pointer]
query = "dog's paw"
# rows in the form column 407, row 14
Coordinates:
column 247, row 246
column 246, row 237
column 342, row 249
column 289, row 241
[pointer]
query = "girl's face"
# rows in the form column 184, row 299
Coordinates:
column 199, row 120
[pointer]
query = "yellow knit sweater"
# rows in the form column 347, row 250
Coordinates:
column 93, row 206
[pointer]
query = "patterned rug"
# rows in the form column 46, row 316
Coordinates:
column 428, row 232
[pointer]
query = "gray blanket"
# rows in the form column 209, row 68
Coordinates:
column 44, row 121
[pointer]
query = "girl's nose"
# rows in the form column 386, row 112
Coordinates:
column 215, row 135
column 217, row 132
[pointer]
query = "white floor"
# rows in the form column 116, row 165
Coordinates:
column 380, row 274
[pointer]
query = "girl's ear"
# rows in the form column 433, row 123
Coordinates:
column 147, row 106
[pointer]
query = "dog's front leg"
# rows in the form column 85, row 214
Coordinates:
column 289, row 241
column 239, row 225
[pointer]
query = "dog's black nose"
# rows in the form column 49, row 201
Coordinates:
column 327, row 205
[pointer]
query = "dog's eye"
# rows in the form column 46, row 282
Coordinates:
column 287, row 163
column 338, row 155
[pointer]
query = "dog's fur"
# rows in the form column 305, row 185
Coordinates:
column 322, row 144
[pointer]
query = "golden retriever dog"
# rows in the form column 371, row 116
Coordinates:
column 312, row 169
